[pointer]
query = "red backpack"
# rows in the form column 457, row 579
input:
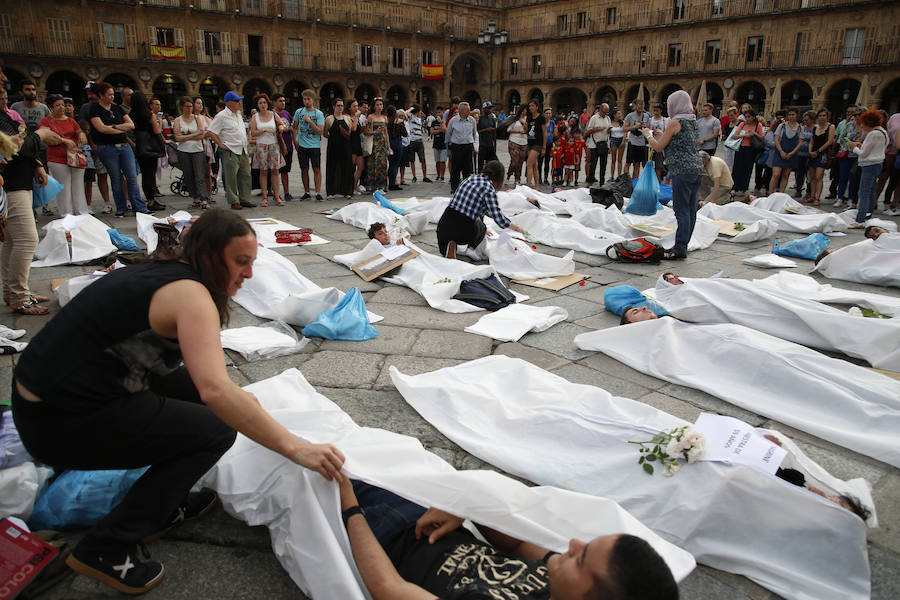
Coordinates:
column 636, row 250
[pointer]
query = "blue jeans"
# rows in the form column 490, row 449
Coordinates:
column 685, row 190
column 847, row 180
column 120, row 159
column 386, row 513
column 867, row 177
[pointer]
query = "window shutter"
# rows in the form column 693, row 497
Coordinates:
column 130, row 36
column 357, row 52
column 245, row 49
column 201, row 46
column 226, row 47
column 179, row 37
column 151, row 35
column 407, row 63
column 436, row 57
column 101, row 36
column 376, row 58
column 390, row 58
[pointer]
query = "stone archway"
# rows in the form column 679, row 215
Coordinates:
column 568, row 99
column 608, row 95
column 365, row 92
column 396, row 96
column 840, row 95
column 330, row 91
column 513, row 100
column 14, row 81
column 715, row 95
column 536, row 94
column 797, row 94
column 473, row 98
column 468, row 70
column 631, row 94
column 168, row 89
column 427, row 98
column 67, row 83
column 122, row 80
column 253, row 88
column 890, row 97
column 753, row 93
column 212, row 89
column 666, row 91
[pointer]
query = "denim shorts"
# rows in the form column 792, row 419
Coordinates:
column 440, row 155
column 615, row 142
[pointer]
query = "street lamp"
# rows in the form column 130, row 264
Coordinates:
column 491, row 39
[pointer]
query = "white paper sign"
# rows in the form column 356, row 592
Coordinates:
column 733, row 441
column 393, row 252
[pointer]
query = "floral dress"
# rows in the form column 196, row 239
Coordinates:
column 377, row 162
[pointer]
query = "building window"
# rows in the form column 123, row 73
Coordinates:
column 582, row 20
column 562, row 23
column 643, row 56
column 578, row 60
column 762, row 4
column 427, row 57
column 718, row 7
column 398, row 14
column 165, row 36
column 58, row 30
column 536, row 63
column 212, row 43
column 397, row 58
column 5, row 30
column 674, row 55
column 678, row 9
column 292, row 8
column 295, row 51
column 332, row 49
column 713, row 50
column 514, row 65
column 611, row 15
column 366, row 56
column 330, row 8
column 754, row 48
column 114, row 34
column 854, row 40
column 801, row 46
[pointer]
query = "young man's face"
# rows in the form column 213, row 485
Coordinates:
column 636, row 315
column 707, row 112
column 572, row 575
column 308, row 102
column 382, row 236
column 657, row 112
column 279, row 104
column 29, row 92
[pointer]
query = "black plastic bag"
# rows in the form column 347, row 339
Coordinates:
column 613, row 191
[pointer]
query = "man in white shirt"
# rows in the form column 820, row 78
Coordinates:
column 597, row 140
column 462, row 139
column 228, row 132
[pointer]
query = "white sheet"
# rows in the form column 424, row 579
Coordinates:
column 278, row 291
column 804, row 286
column 516, row 259
column 612, row 220
column 769, row 261
column 435, row 278
column 90, row 240
column 512, row 322
column 271, row 340
column 417, row 216
column 555, row 203
column 538, row 425
column 738, row 211
column 831, row 398
column 752, row 232
column 302, row 510
column 783, row 315
column 776, row 202
column 876, row 262
column 545, row 228
column 265, row 228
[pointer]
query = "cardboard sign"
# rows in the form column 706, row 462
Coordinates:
column 654, row 228
column 22, row 556
column 387, row 260
column 554, row 284
column 803, row 210
column 891, row 374
column 727, row 227
column 730, row 440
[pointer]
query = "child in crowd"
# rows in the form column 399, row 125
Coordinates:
column 557, row 158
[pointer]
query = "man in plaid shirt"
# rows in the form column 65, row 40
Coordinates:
column 462, row 221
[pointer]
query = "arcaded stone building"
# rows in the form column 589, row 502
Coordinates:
column 568, row 53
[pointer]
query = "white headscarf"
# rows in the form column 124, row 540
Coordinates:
column 680, row 106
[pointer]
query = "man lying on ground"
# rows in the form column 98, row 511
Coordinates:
column 378, row 231
column 875, row 260
column 405, row 552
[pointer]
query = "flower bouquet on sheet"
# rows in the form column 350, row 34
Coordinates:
column 71, row 240
column 783, row 315
column 876, row 262
column 833, row 399
column 734, row 517
column 435, row 278
column 279, row 292
column 743, row 213
column 804, row 286
column 302, row 510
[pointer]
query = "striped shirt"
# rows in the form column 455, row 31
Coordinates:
column 476, row 197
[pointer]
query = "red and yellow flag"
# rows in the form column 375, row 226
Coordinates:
column 433, row 71
column 167, row 52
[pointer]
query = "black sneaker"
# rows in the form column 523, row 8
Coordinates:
column 414, row 180
column 319, row 197
column 305, row 196
column 122, row 569
column 197, row 505
column 425, row 180
column 288, row 197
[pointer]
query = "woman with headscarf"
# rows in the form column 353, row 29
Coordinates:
column 681, row 142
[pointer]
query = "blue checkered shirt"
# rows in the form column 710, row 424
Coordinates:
column 476, row 197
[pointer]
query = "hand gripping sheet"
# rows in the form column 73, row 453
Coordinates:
column 278, row 291
column 89, row 241
column 785, row 316
column 830, row 398
column 537, row 425
column 302, row 510
column 876, row 262
column 804, row 286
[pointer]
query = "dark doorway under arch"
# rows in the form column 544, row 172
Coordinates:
column 292, row 91
column 365, row 92
column 797, row 94
column 330, row 91
column 664, row 94
column 13, row 84
column 841, row 95
column 426, row 97
column 569, row 99
column 396, row 96
column 169, row 88
column 890, row 97
column 608, row 95
column 536, row 94
column 631, row 94
column 513, row 100
column 473, row 98
column 68, row 84
column 752, row 93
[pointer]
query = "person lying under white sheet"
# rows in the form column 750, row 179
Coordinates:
column 378, row 231
column 875, row 260
column 405, row 552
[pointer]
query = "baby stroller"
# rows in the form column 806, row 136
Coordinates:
column 178, row 186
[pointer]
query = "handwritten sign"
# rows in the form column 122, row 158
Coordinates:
column 733, row 441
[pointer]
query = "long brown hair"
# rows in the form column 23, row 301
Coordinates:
column 203, row 246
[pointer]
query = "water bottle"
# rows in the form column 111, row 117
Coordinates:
column 776, row 244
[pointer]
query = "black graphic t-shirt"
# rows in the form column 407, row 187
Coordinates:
column 460, row 567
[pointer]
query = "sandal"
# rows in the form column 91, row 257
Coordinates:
column 30, row 307
column 39, row 298
column 264, row 202
column 204, row 205
column 816, row 201
column 279, row 201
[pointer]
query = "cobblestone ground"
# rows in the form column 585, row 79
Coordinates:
column 221, row 557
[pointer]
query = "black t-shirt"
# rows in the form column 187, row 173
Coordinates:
column 100, row 346
column 535, row 127
column 459, row 566
column 439, row 137
column 487, row 138
column 114, row 116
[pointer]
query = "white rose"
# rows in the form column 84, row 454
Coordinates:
column 674, row 448
column 855, row 311
column 693, row 438
column 671, row 469
column 696, row 452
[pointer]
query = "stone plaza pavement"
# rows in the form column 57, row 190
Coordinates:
column 220, row 557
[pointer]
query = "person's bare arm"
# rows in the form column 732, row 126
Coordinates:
column 660, row 144
column 126, row 125
column 328, row 121
column 436, row 523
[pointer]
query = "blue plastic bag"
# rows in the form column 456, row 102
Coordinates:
column 620, row 297
column 81, row 498
column 43, row 195
column 809, row 247
column 382, row 200
column 122, row 242
column 665, row 192
column 645, row 196
column 346, row 321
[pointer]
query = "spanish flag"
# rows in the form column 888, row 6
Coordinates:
column 433, row 71
column 167, row 52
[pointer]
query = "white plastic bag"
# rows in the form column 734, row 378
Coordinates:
column 273, row 339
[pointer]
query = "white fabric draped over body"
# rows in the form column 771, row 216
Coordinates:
column 743, row 213
column 804, row 286
column 876, row 262
column 302, row 509
column 90, row 240
column 537, row 425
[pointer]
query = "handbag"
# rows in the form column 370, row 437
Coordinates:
column 76, row 158
column 368, row 141
column 841, row 154
column 149, row 144
column 757, row 143
column 733, row 142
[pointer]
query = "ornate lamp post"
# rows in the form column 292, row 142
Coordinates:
column 492, row 39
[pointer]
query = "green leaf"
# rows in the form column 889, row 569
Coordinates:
column 651, row 457
column 641, row 461
column 648, row 468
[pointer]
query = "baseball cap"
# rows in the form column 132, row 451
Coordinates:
column 487, row 104
column 232, row 96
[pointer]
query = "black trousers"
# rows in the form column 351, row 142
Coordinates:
column 460, row 163
column 148, row 177
column 454, row 226
column 485, row 154
column 599, row 156
column 167, row 427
